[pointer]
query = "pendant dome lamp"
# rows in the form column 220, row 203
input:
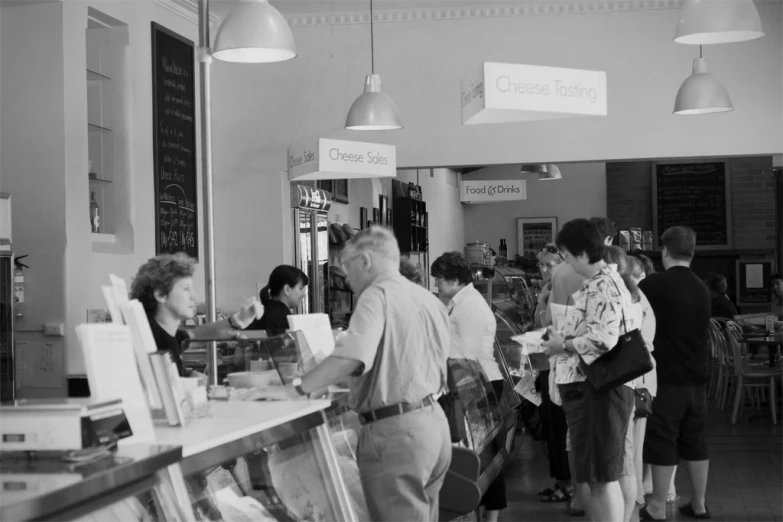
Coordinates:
column 373, row 109
column 701, row 93
column 551, row 173
column 545, row 171
column 254, row 32
column 705, row 22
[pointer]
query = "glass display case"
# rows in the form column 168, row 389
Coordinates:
column 480, row 419
column 509, row 290
column 140, row 482
column 262, row 461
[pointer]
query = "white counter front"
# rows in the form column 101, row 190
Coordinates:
column 230, row 421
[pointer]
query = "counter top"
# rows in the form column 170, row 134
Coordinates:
column 41, row 488
column 231, row 421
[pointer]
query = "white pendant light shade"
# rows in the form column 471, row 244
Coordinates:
column 533, row 168
column 373, row 110
column 254, row 32
column 701, row 93
column 551, row 173
column 704, row 22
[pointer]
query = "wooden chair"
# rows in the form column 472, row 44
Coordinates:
column 723, row 363
column 750, row 376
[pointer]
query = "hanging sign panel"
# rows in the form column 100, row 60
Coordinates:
column 506, row 92
column 324, row 158
column 490, row 191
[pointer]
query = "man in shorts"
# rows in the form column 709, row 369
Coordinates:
column 677, row 427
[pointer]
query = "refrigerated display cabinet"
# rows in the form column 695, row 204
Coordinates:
column 510, row 290
column 263, row 461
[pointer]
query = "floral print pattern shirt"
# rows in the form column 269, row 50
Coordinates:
column 594, row 322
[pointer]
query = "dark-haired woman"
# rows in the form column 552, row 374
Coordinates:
column 164, row 287
column 599, row 429
column 285, row 290
column 473, row 328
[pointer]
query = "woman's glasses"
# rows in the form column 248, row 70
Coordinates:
column 552, row 250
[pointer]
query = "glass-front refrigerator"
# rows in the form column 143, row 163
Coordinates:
column 311, row 244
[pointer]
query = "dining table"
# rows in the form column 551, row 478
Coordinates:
column 772, row 340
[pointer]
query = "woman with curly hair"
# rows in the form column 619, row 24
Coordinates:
column 164, row 287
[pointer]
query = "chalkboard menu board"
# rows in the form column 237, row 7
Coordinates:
column 174, row 142
column 694, row 195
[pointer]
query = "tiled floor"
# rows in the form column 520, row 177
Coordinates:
column 745, row 483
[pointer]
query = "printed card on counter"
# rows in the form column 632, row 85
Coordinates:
column 108, row 357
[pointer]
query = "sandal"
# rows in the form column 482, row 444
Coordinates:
column 688, row 511
column 548, row 491
column 559, row 495
column 645, row 515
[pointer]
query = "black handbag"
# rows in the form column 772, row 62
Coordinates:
column 643, row 401
column 628, row 360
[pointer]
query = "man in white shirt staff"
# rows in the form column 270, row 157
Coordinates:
column 473, row 328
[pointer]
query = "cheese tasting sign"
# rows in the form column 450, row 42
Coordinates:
column 505, row 92
column 491, row 191
column 325, row 158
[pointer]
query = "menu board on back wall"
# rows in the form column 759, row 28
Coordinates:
column 174, row 142
column 695, row 195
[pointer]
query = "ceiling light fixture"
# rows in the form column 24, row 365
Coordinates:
column 552, row 172
column 701, row 93
column 254, row 32
column 373, row 109
column 545, row 171
column 705, row 22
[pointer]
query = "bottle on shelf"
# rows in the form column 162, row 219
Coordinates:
column 95, row 214
column 503, row 250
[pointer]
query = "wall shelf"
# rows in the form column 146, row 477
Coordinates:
column 93, row 76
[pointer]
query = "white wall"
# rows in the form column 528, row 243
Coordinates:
column 260, row 109
column 580, row 194
column 44, row 160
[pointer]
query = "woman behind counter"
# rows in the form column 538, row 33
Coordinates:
column 285, row 290
column 164, row 287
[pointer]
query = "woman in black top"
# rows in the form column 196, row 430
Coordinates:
column 287, row 286
column 721, row 304
column 164, row 287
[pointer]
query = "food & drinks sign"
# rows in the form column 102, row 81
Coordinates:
column 491, row 191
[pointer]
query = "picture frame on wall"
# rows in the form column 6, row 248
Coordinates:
column 534, row 233
column 388, row 217
column 376, row 216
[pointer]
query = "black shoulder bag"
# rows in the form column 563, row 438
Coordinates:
column 628, row 360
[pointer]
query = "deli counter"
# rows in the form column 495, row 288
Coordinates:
column 261, row 461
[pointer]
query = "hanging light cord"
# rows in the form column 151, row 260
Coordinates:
column 372, row 43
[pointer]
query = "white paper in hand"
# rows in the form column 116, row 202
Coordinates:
column 531, row 341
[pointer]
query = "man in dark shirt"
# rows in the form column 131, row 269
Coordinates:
column 677, row 427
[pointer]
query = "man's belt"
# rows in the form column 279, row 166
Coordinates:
column 395, row 409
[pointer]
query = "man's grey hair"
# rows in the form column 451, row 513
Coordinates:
column 378, row 240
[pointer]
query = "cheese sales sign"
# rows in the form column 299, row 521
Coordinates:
column 325, row 158
column 505, row 92
column 491, row 191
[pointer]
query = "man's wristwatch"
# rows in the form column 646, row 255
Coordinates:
column 298, row 387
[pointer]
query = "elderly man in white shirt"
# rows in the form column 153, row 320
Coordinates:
column 473, row 327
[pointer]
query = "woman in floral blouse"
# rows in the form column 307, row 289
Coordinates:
column 603, row 310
